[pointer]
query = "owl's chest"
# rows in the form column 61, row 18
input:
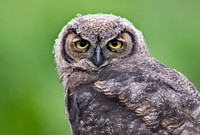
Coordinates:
column 92, row 113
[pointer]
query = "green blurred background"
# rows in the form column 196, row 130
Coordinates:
column 31, row 97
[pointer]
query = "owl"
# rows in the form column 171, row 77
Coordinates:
column 113, row 86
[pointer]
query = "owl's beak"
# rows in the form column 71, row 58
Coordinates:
column 98, row 56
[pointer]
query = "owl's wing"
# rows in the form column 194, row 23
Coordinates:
column 157, row 103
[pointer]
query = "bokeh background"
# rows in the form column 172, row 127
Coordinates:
column 31, row 97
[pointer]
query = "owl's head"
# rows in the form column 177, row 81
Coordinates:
column 91, row 42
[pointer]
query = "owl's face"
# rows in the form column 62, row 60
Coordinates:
column 94, row 41
column 100, row 52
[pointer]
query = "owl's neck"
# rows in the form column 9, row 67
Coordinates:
column 76, row 78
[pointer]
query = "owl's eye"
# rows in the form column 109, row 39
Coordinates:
column 115, row 44
column 82, row 44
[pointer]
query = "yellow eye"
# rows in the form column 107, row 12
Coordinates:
column 115, row 44
column 82, row 44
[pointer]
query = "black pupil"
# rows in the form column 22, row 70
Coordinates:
column 83, row 43
column 115, row 43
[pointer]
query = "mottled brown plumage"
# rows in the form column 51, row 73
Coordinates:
column 113, row 86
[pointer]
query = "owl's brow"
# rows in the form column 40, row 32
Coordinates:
column 114, row 37
column 119, row 34
column 78, row 34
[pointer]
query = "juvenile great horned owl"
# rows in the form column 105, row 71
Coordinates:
column 113, row 86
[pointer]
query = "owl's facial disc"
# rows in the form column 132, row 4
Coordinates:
column 97, row 54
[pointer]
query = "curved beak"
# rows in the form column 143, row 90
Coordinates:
column 98, row 56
